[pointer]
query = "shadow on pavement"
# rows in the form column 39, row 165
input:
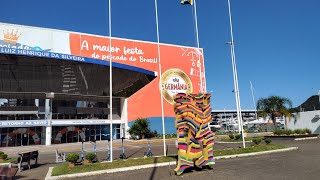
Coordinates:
column 135, row 152
column 19, row 177
column 154, row 169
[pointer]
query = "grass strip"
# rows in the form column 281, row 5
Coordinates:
column 9, row 160
column 236, row 140
column 63, row 169
column 251, row 149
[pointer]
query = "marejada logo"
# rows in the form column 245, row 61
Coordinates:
column 11, row 36
column 10, row 40
column 175, row 81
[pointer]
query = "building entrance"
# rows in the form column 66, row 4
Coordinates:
column 20, row 136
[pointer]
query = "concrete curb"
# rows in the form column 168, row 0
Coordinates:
column 221, row 142
column 49, row 177
column 307, row 138
column 4, row 164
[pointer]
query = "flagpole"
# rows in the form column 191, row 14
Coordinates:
column 160, row 81
column 110, row 82
column 198, row 44
column 254, row 102
column 235, row 78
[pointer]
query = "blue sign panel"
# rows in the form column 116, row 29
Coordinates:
column 24, row 123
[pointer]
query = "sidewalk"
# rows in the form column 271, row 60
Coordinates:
column 70, row 147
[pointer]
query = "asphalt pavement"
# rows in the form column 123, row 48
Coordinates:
column 133, row 149
column 301, row 164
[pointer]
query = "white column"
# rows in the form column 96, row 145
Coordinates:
column 48, row 116
column 124, row 117
column 36, row 102
column 48, row 135
column 47, row 109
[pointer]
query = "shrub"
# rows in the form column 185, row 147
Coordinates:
column 298, row 131
column 90, row 157
column 257, row 141
column 307, row 131
column 155, row 133
column 231, row 136
column 172, row 135
column 72, row 157
column 288, row 132
column 237, row 136
column 278, row 132
column 3, row 155
column 152, row 134
column 267, row 140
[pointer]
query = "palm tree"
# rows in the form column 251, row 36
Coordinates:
column 274, row 106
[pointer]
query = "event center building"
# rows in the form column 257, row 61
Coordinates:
column 54, row 84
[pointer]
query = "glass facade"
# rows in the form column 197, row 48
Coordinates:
column 40, row 89
column 79, row 133
column 21, row 136
column 25, row 136
column 34, row 76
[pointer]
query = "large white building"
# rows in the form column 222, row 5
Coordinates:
column 55, row 85
column 227, row 120
column 307, row 119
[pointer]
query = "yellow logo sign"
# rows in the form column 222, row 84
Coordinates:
column 175, row 81
column 11, row 37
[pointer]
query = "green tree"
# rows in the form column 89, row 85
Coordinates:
column 140, row 128
column 274, row 106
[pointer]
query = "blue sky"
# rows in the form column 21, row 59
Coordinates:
column 276, row 42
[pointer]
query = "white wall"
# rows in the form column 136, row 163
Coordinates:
column 124, row 117
column 309, row 119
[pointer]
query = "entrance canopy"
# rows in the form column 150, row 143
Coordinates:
column 32, row 77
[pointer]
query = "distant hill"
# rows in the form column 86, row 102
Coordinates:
column 311, row 104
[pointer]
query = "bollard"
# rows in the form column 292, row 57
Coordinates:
column 94, row 149
column 108, row 151
column 82, row 152
column 122, row 155
column 148, row 153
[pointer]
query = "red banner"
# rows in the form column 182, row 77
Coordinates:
column 180, row 66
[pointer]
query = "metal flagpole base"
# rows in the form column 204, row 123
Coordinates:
column 123, row 155
column 148, row 153
column 82, row 152
column 108, row 152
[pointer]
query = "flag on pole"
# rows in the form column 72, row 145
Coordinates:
column 183, row 2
